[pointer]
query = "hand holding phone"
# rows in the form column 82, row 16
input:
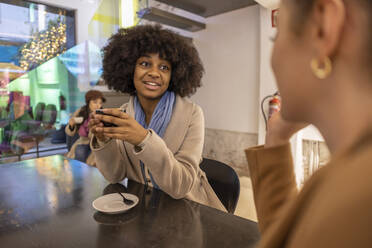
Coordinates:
column 106, row 124
column 128, row 129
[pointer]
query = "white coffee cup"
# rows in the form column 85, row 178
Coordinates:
column 78, row 120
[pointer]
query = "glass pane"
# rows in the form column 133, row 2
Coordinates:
column 34, row 83
column 44, row 75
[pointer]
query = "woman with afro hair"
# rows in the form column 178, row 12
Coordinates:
column 158, row 136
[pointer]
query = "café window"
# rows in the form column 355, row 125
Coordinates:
column 33, row 87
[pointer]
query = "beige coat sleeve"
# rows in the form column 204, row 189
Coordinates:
column 273, row 181
column 109, row 160
column 176, row 173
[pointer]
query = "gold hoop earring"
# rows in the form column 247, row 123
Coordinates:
column 321, row 72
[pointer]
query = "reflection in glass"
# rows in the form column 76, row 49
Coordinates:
column 43, row 75
column 31, row 34
column 42, row 99
column 31, row 91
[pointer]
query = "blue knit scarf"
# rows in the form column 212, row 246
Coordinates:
column 159, row 120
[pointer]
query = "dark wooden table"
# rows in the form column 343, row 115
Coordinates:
column 47, row 202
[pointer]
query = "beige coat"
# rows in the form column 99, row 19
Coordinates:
column 173, row 161
column 80, row 141
column 334, row 208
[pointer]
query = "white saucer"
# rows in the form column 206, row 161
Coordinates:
column 113, row 203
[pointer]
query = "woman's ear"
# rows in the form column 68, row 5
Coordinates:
column 328, row 18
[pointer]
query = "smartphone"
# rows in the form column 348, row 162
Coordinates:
column 106, row 124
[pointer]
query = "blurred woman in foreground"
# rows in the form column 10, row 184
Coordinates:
column 328, row 43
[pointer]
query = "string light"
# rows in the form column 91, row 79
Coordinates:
column 44, row 45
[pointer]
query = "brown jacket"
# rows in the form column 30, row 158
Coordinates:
column 333, row 209
column 172, row 160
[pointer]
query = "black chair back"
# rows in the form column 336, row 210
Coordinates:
column 39, row 109
column 224, row 181
column 50, row 114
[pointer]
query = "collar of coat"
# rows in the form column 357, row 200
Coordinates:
column 178, row 125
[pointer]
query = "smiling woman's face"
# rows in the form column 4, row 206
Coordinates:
column 151, row 76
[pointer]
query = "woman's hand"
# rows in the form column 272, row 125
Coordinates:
column 93, row 124
column 72, row 122
column 128, row 129
column 279, row 131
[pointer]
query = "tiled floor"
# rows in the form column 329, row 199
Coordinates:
column 246, row 207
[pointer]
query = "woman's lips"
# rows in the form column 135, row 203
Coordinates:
column 151, row 85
